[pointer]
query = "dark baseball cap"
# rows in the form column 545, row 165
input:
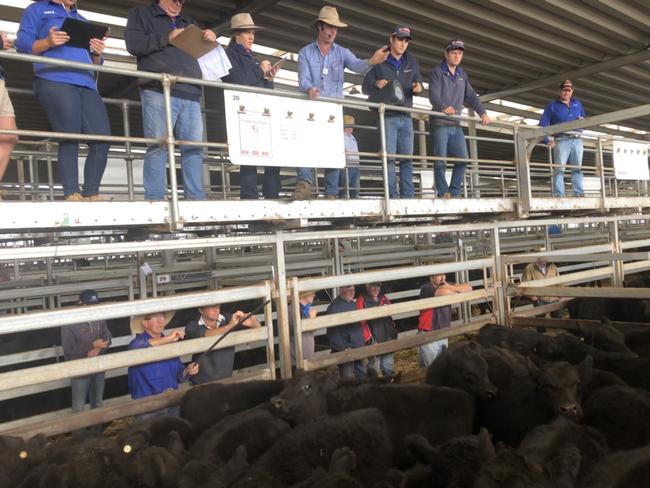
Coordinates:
column 566, row 84
column 89, row 297
column 455, row 44
column 401, row 32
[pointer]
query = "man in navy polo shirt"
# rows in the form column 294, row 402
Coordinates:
column 566, row 147
column 403, row 67
column 449, row 91
column 148, row 35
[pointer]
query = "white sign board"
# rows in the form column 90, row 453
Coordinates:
column 630, row 160
column 268, row 130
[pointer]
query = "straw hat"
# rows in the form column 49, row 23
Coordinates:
column 330, row 16
column 136, row 321
column 243, row 21
column 348, row 120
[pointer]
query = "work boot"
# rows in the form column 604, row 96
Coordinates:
column 302, row 191
column 330, row 197
column 75, row 197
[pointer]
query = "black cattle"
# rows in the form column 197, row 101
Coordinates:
column 542, row 444
column 633, row 371
column 202, row 474
column 463, row 367
column 528, row 396
column 256, row 429
column 604, row 337
column 340, row 473
column 206, row 404
column 622, row 414
column 438, row 413
column 523, row 341
column 453, row 464
column 623, row 469
column 155, row 432
column 295, row 456
column 17, row 457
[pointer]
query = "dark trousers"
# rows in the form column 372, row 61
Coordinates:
column 271, row 185
column 79, row 110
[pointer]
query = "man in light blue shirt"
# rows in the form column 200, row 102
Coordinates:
column 566, row 147
column 321, row 67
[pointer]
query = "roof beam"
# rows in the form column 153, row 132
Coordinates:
column 612, row 63
column 251, row 6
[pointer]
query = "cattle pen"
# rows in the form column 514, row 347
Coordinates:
column 177, row 254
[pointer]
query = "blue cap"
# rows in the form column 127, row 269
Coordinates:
column 401, row 32
column 89, row 297
column 455, row 44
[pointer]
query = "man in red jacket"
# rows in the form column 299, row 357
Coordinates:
column 436, row 318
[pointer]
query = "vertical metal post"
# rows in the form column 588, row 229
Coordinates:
column 297, row 326
column 142, row 277
column 600, row 167
column 384, row 159
column 523, row 174
column 171, row 157
column 282, row 306
column 465, row 307
column 618, row 274
column 268, row 323
column 33, row 176
column 422, row 147
column 50, row 171
column 127, row 148
column 499, row 275
column 473, row 154
column 20, row 168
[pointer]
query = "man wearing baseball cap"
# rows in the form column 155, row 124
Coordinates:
column 86, row 340
column 403, row 68
column 566, row 147
column 449, row 91
column 321, row 67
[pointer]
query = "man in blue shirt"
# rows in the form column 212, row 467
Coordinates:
column 148, row 35
column 403, row 67
column 566, row 147
column 449, row 91
column 321, row 67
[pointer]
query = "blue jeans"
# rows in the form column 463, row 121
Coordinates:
column 384, row 364
column 305, row 174
column 430, row 351
column 80, row 110
column 87, row 388
column 188, row 126
column 354, row 182
column 568, row 150
column 354, row 370
column 335, row 179
column 448, row 141
column 399, row 140
column 271, row 185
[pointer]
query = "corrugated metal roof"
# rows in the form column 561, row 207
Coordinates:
column 509, row 43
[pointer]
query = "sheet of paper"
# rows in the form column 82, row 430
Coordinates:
column 215, row 64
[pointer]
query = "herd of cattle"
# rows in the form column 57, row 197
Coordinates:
column 509, row 408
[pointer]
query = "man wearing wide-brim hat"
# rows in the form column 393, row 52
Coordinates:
column 321, row 66
column 159, row 376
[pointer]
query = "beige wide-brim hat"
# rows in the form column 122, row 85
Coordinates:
column 136, row 321
column 243, row 21
column 330, row 16
column 348, row 120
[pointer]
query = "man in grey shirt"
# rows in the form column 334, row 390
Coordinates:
column 86, row 340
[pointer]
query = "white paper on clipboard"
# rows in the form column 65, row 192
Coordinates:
column 214, row 64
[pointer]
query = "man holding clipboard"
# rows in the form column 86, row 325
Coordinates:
column 68, row 96
column 149, row 35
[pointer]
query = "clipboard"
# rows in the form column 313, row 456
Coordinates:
column 191, row 41
column 81, row 32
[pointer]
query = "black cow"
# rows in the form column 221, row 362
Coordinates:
column 622, row 469
column 438, row 413
column 462, row 367
column 256, row 429
column 155, row 432
column 523, row 341
column 622, row 414
column 206, row 404
column 340, row 473
column 17, row 457
column 528, row 396
column 310, row 446
column 542, row 444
